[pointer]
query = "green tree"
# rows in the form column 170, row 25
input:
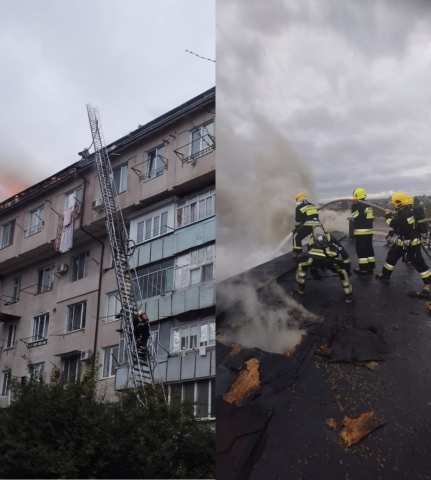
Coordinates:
column 58, row 430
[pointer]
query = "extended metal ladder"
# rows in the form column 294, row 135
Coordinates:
column 141, row 370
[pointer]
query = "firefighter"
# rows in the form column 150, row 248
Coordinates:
column 141, row 330
column 325, row 253
column 306, row 217
column 408, row 241
column 363, row 231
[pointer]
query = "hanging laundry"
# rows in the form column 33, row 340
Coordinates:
column 59, row 233
column 67, row 233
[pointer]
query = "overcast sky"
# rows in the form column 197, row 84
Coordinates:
column 125, row 56
column 347, row 83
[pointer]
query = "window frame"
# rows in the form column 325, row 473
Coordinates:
column 66, row 362
column 78, row 191
column 159, row 168
column 183, row 208
column 112, row 363
column 210, row 342
column 45, row 288
column 82, row 321
column 32, row 329
column 142, row 239
column 37, row 373
column 7, row 376
column 203, row 144
column 39, row 212
column 195, row 266
column 140, row 291
column 122, row 182
column 10, row 224
column 16, row 296
column 211, row 396
column 117, row 303
column 85, row 269
column 11, row 336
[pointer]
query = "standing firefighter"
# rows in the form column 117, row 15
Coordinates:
column 408, row 242
column 363, row 231
column 141, row 326
column 325, row 253
column 306, row 217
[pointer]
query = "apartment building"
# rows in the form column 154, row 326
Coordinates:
column 58, row 301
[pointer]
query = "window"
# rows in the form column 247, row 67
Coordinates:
column 11, row 337
column 35, row 222
column 7, row 231
column 110, row 359
column 76, row 317
column 202, row 392
column 189, row 337
column 16, row 289
column 114, row 307
column 39, row 330
column 72, row 197
column 154, row 343
column 202, row 141
column 122, row 354
column 37, row 370
column 155, row 163
column 152, row 227
column 196, row 208
column 6, row 383
column 45, row 279
column 155, row 279
column 80, row 266
column 120, row 179
column 72, row 368
column 195, row 267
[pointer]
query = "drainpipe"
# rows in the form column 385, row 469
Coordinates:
column 99, row 291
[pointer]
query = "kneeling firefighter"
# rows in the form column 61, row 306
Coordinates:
column 408, row 242
column 325, row 253
column 363, row 231
column 306, row 217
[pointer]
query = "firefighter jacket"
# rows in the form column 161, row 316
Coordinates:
column 404, row 225
column 332, row 251
column 306, row 214
column 362, row 219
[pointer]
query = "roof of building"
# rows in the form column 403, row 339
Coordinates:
column 281, row 429
column 123, row 142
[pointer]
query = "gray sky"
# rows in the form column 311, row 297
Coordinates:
column 125, row 56
column 347, row 83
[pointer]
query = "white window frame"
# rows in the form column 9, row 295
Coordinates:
column 9, row 241
column 16, row 292
column 5, row 391
column 204, row 140
column 107, row 353
column 187, row 334
column 196, row 208
column 45, row 288
column 153, row 232
column 45, row 331
column 35, row 226
column 151, row 277
column 123, row 178
column 86, row 262
column 11, row 336
column 211, row 385
column 198, row 259
column 82, row 320
column 77, row 193
column 37, row 370
column 111, row 316
column 66, row 365
column 160, row 165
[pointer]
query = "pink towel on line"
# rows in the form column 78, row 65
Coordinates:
column 67, row 217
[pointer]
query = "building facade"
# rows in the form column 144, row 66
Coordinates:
column 60, row 308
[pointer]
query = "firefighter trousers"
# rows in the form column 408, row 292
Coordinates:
column 365, row 252
column 415, row 257
column 299, row 235
column 301, row 272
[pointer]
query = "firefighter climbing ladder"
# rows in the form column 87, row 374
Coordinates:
column 141, row 369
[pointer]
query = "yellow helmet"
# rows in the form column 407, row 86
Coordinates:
column 410, row 200
column 140, row 312
column 399, row 199
column 359, row 194
column 301, row 196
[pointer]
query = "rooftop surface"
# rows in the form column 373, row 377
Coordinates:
column 280, row 430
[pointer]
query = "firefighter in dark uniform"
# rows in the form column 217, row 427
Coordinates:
column 306, row 217
column 363, row 231
column 325, row 253
column 141, row 330
column 408, row 241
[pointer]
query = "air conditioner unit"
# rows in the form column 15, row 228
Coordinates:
column 62, row 268
column 85, row 354
column 97, row 204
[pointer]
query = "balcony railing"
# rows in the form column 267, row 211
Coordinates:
column 151, row 168
column 188, row 154
column 34, row 341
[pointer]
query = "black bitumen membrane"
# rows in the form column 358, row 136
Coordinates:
column 280, row 431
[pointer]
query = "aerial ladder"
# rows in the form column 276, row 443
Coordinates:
column 141, row 369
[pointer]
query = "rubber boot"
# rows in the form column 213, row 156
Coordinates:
column 298, row 288
column 383, row 277
column 296, row 254
column 426, row 290
column 358, row 271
